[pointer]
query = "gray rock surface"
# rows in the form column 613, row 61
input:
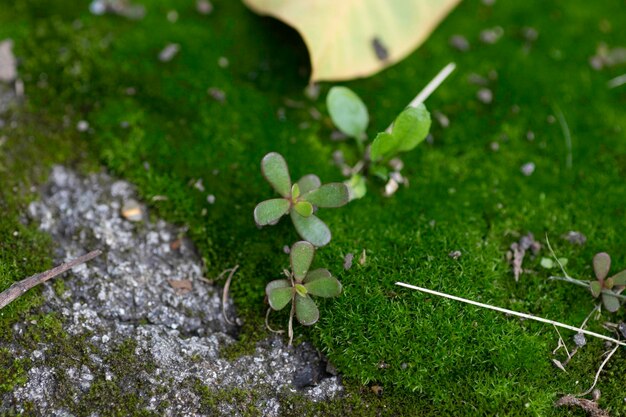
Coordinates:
column 127, row 298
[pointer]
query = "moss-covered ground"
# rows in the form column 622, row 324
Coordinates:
column 154, row 124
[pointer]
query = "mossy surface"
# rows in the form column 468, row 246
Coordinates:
column 430, row 355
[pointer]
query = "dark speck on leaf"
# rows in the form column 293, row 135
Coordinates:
column 381, row 52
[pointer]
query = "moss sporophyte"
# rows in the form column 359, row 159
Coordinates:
column 299, row 200
column 300, row 285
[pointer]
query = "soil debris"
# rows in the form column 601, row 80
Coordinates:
column 575, row 238
column 588, row 406
column 518, row 250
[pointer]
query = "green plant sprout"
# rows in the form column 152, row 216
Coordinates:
column 300, row 285
column 299, row 200
column 609, row 288
column 380, row 157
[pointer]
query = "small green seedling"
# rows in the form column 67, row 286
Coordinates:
column 300, row 285
column 605, row 286
column 299, row 200
column 380, row 159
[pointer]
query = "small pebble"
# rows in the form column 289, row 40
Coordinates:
column 460, row 43
column 455, row 254
column 97, row 7
column 210, row 199
column 363, row 258
column 169, row 52
column 485, row 95
column 287, row 249
column 217, row 94
column 530, row 135
column 131, row 210
column 579, row 339
column 442, row 119
column 223, row 62
column 204, row 7
column 528, row 168
column 172, row 16
column 396, row 164
column 491, row 36
column 530, row 34
column 347, row 261
column 575, row 238
column 495, row 146
column 82, row 126
column 312, row 91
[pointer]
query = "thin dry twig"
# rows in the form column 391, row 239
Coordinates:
column 225, row 292
column 20, row 287
column 514, row 313
column 595, row 380
column 430, row 88
column 267, row 323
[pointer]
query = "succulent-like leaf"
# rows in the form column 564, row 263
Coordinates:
column 608, row 283
column 311, row 229
column 611, row 302
column 304, row 208
column 411, row 127
column 619, row 278
column 316, row 274
column 324, row 286
column 335, row 194
column 270, row 211
column 306, row 311
column 309, row 183
column 301, row 290
column 596, row 288
column 275, row 171
column 279, row 292
column 295, row 192
column 302, row 254
column 383, row 145
column 357, row 188
column 601, row 265
column 348, row 111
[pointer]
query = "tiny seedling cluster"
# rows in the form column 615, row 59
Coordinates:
column 380, row 158
column 302, row 200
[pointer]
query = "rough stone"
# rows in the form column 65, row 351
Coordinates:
column 125, row 294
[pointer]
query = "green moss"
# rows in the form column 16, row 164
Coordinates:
column 12, row 371
column 441, row 356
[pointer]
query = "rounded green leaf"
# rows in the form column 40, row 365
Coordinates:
column 335, row 194
column 596, row 288
column 302, row 254
column 275, row 171
column 384, row 145
column 601, row 265
column 347, row 111
column 324, row 286
column 357, row 188
column 611, row 303
column 619, row 278
column 279, row 292
column 309, row 183
column 316, row 274
column 301, row 290
column 304, row 208
column 295, row 192
column 306, row 311
column 311, row 229
column 270, row 211
column 411, row 127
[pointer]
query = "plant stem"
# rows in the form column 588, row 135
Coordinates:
column 20, row 287
column 514, row 313
column 586, row 285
